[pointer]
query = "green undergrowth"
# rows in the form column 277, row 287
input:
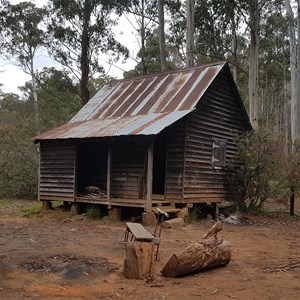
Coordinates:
column 5, row 202
column 95, row 212
column 35, row 208
column 10, row 206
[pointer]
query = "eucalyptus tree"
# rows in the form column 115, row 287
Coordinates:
column 296, row 120
column 21, row 36
column 152, row 57
column 162, row 40
column 254, row 9
column 216, row 29
column 294, row 59
column 190, row 31
column 18, row 156
column 58, row 102
column 274, row 74
column 294, row 70
column 79, row 32
column 177, row 26
column 58, row 94
column 143, row 18
column 255, row 14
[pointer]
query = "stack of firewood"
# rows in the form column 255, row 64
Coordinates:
column 94, row 191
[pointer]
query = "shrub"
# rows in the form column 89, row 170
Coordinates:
column 258, row 171
column 94, row 212
column 33, row 208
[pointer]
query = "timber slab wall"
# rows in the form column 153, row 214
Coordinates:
column 57, row 171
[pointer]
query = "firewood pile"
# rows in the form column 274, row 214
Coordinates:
column 94, row 192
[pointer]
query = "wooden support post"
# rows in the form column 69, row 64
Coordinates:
column 46, row 205
column 215, row 211
column 149, row 176
column 148, row 219
column 108, row 176
column 114, row 214
column 75, row 209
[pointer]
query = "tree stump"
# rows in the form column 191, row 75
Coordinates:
column 138, row 260
column 207, row 253
column 46, row 205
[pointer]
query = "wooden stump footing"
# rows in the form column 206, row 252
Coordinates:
column 75, row 209
column 148, row 219
column 114, row 214
column 46, row 205
column 138, row 260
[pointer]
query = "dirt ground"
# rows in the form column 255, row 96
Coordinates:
column 52, row 255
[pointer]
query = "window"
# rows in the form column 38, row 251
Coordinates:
column 218, row 153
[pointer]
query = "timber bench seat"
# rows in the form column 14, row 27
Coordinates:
column 138, row 232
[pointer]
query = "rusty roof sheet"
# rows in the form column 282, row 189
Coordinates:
column 144, row 105
column 133, row 125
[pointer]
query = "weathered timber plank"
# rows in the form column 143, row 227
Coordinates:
column 56, row 198
column 139, row 232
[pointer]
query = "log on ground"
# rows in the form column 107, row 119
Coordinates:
column 207, row 253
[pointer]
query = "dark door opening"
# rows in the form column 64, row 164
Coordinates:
column 91, row 166
column 159, row 164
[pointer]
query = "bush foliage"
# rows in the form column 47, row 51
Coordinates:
column 58, row 102
column 262, row 170
column 95, row 212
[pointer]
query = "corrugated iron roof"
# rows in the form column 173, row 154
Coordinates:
column 132, row 125
column 144, row 105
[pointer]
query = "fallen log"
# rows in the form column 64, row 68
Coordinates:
column 207, row 253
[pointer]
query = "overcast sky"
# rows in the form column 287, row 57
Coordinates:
column 12, row 77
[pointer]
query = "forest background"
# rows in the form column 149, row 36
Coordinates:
column 258, row 38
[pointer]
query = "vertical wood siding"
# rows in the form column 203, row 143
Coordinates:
column 57, row 171
column 128, row 168
column 175, row 161
column 218, row 116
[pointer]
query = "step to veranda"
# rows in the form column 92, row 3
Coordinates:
column 167, row 209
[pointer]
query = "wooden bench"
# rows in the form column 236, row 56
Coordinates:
column 138, row 233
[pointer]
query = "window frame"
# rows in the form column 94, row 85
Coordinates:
column 218, row 156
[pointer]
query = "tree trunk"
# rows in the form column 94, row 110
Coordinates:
column 296, row 104
column 162, row 42
column 207, row 253
column 34, row 92
column 84, row 58
column 234, row 48
column 292, row 201
column 190, row 43
column 138, row 260
column 293, row 68
column 287, row 119
column 253, row 63
column 143, row 39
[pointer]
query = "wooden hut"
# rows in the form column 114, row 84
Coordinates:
column 157, row 140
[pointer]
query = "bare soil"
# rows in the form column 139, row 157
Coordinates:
column 52, row 255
